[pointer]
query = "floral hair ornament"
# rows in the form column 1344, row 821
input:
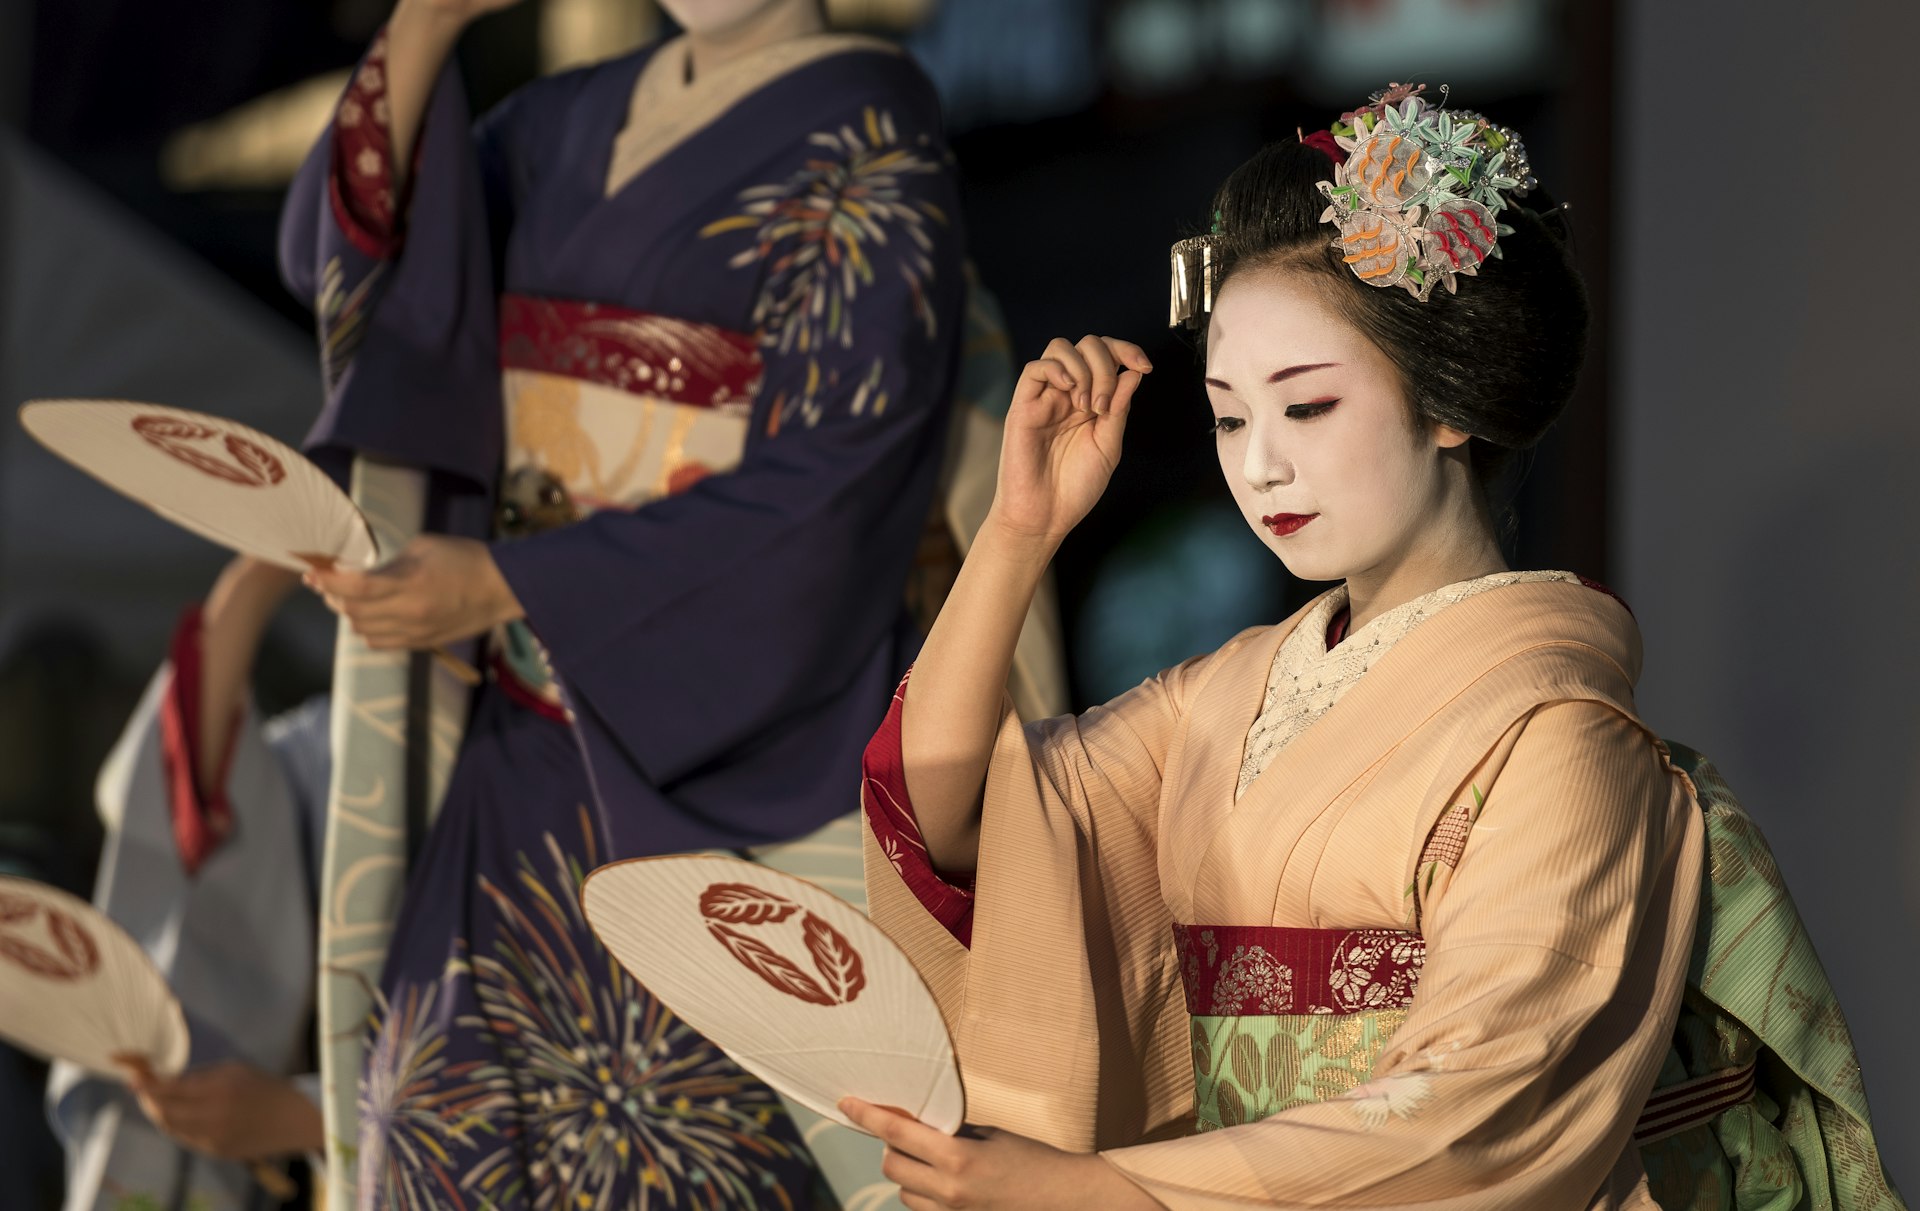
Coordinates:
column 1418, row 197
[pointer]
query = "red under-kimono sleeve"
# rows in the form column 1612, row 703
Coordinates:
column 200, row 822
column 360, row 181
column 889, row 813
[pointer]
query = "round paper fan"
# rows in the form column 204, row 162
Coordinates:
column 794, row 983
column 75, row 986
column 216, row 477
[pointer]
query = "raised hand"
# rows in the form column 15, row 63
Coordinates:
column 1062, row 439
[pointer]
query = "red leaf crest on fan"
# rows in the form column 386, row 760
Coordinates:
column 835, row 959
column 16, row 908
column 262, row 466
column 771, row 966
column 252, row 466
column 74, row 954
column 157, row 428
column 744, row 904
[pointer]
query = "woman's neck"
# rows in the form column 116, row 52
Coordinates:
column 774, row 23
column 1443, row 554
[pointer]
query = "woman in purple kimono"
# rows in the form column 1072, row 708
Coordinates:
column 674, row 337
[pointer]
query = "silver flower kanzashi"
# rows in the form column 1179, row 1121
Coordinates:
column 1417, row 200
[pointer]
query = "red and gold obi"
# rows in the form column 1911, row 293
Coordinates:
column 607, row 408
column 1283, row 1017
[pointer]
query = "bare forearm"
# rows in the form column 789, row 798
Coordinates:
column 234, row 619
column 1060, row 444
column 952, row 708
column 419, row 39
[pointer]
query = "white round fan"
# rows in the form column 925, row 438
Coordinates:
column 75, row 986
column 220, row 479
column 794, row 983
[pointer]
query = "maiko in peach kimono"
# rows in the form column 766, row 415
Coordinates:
column 1202, row 912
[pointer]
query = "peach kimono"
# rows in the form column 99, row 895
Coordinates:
column 1216, row 988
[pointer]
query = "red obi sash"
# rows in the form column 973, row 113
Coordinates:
column 1247, row 970
column 678, row 360
column 1260, row 970
column 701, row 370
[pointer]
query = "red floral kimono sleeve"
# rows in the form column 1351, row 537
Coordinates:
column 360, row 182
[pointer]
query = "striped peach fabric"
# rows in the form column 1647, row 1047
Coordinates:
column 1557, row 948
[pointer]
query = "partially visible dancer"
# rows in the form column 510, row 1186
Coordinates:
column 674, row 339
column 1397, row 903
column 213, row 818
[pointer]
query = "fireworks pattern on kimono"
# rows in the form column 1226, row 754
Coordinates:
column 604, row 1086
column 814, row 232
column 828, row 232
column 414, row 1108
column 342, row 314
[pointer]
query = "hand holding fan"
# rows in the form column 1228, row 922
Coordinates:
column 75, row 986
column 218, row 478
column 794, row 983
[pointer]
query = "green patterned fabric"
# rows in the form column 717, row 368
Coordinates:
column 1755, row 993
column 1245, row 1068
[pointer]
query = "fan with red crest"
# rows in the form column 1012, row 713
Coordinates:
column 75, row 986
column 216, row 477
column 793, row 982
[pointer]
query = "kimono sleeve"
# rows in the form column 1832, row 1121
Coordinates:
column 1556, row 958
column 401, row 271
column 1108, row 759
column 234, row 940
column 699, row 626
column 1069, row 935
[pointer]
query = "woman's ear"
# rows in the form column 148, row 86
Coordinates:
column 1449, row 438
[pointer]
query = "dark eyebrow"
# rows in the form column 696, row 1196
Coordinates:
column 1278, row 376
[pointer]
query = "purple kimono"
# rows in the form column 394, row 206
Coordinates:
column 701, row 419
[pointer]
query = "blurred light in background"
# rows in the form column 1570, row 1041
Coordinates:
column 1184, row 582
column 1491, row 45
column 1009, row 60
column 574, row 33
column 1158, row 46
column 1258, row 36
column 897, row 16
column 258, row 145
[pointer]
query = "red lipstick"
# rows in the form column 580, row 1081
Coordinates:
column 1283, row 524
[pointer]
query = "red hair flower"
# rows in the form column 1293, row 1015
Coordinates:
column 1323, row 140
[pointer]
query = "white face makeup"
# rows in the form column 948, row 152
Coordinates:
column 1316, row 438
column 703, row 18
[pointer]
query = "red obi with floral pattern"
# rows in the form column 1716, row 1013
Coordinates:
column 1287, row 1017
column 1241, row 970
